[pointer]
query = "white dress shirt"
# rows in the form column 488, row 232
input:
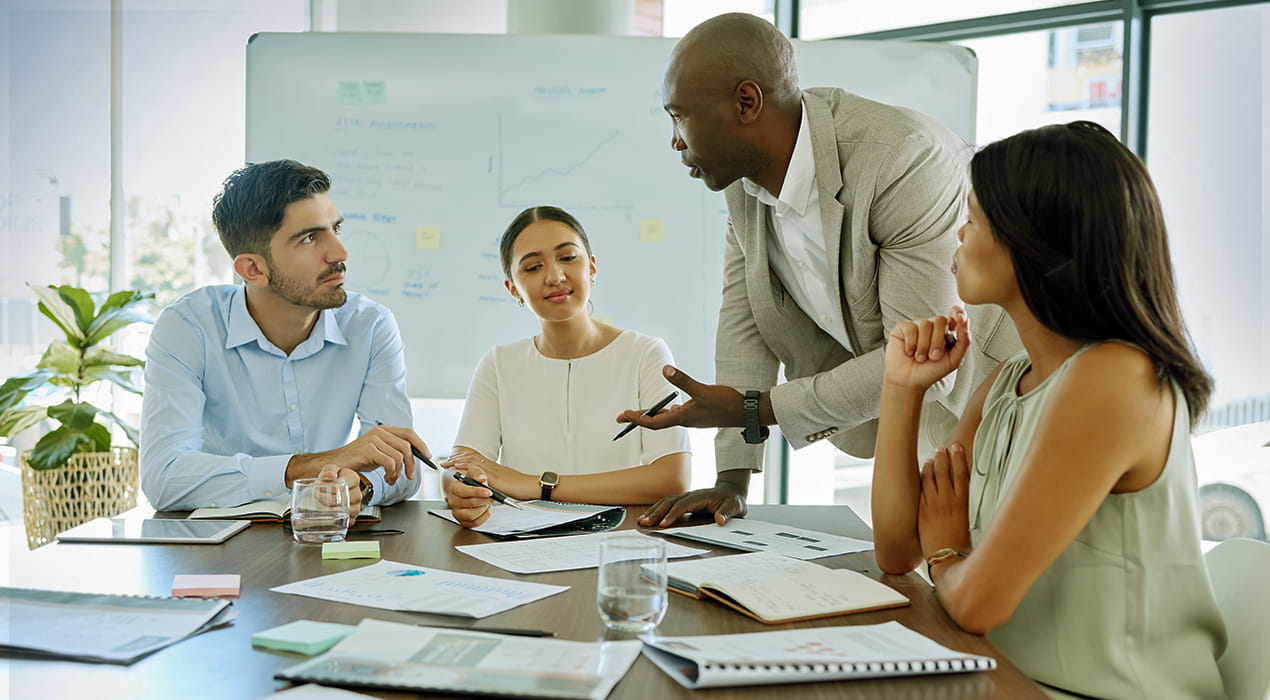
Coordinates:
column 796, row 240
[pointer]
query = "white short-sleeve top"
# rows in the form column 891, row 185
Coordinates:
column 534, row 413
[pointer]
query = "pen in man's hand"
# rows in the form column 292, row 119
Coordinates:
column 650, row 412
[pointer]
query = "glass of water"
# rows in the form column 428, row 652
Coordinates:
column 319, row 510
column 631, row 585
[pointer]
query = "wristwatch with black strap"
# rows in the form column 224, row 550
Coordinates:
column 368, row 489
column 755, row 432
column 548, row 482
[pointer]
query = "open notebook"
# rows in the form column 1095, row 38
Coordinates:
column 773, row 588
column 270, row 510
column 807, row 655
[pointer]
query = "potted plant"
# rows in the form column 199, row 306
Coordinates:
column 73, row 474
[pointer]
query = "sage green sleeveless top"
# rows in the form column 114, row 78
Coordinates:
column 1127, row 610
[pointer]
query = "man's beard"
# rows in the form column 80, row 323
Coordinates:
column 292, row 290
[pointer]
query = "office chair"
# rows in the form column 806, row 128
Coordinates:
column 1239, row 569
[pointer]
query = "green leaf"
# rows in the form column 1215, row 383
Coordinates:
column 81, row 303
column 54, row 449
column 61, row 313
column 133, row 436
column 99, row 437
column 124, row 299
column 124, row 378
column 16, row 389
column 110, row 321
column 16, row 420
column 61, row 358
column 77, row 416
column 101, row 356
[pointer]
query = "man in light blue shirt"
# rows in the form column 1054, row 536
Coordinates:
column 248, row 388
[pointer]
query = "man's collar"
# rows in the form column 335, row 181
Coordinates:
column 800, row 176
column 241, row 328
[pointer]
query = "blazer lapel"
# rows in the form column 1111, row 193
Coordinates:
column 824, row 148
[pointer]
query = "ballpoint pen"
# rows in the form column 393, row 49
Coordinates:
column 494, row 630
column 465, row 479
column 650, row 412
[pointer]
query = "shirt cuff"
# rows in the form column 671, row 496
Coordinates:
column 267, row 476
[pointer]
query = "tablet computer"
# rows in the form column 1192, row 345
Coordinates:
column 132, row 530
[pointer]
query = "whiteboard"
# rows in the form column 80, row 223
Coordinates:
column 435, row 142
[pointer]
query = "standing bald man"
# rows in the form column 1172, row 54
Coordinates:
column 843, row 217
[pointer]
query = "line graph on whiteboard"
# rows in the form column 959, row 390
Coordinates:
column 570, row 165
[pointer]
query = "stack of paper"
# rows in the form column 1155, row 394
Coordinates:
column 113, row 629
column 390, row 655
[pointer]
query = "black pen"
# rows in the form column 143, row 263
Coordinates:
column 465, row 479
column 650, row 412
column 494, row 630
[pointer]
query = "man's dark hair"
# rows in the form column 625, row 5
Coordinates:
column 249, row 208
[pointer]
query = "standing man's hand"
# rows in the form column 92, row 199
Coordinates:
column 710, row 406
column 726, row 499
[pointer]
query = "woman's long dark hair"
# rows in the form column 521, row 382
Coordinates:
column 1083, row 225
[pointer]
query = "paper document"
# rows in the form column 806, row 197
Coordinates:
column 115, row 629
column 554, row 554
column 759, row 536
column 389, row 655
column 545, row 519
column 806, row 655
column 390, row 585
column 773, row 588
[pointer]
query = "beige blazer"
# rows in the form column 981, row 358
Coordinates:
column 893, row 187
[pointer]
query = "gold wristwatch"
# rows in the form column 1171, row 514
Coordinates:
column 548, row 481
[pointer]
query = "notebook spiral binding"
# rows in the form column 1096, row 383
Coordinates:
column 871, row 667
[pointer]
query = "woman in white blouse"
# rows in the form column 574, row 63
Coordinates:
column 539, row 419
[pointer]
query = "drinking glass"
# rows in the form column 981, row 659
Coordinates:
column 631, row 584
column 319, row 510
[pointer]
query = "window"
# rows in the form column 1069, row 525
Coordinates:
column 1031, row 79
column 1212, row 168
column 821, row 19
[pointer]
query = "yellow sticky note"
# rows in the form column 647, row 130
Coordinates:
column 350, row 550
column 652, row 230
column 428, row 237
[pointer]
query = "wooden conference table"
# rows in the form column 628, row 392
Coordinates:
column 221, row 663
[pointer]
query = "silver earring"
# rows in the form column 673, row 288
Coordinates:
column 592, row 281
column 520, row 301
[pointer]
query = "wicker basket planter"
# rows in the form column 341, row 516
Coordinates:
column 91, row 485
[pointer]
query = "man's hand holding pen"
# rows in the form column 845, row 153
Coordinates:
column 709, row 406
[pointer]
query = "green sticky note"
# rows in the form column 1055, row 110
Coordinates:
column 375, row 92
column 350, row 550
column 348, row 92
column 302, row 636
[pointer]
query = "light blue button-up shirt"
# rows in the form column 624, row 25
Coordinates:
column 225, row 409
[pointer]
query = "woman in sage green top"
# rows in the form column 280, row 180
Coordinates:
column 1062, row 518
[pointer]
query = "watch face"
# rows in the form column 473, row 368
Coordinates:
column 549, row 478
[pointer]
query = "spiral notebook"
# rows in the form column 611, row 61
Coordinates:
column 544, row 519
column 806, row 656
